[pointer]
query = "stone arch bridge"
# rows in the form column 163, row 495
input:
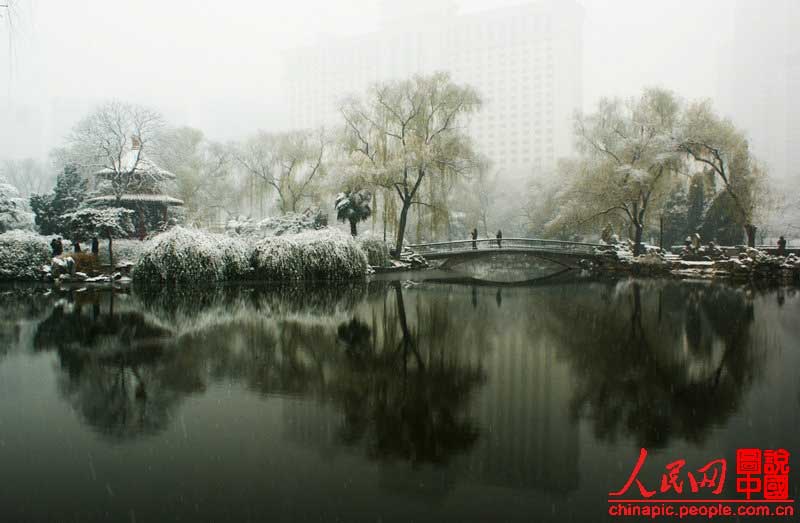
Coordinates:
column 513, row 259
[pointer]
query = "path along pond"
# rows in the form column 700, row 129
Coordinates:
column 383, row 401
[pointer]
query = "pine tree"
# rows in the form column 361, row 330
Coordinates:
column 68, row 194
column 675, row 216
column 696, row 203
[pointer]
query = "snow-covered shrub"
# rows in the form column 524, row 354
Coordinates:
column 22, row 255
column 286, row 224
column 14, row 211
column 181, row 256
column 236, row 257
column 376, row 249
column 189, row 256
column 192, row 256
column 317, row 255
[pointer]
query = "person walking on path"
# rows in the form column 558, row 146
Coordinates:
column 475, row 238
column 499, row 239
column 95, row 246
column 76, row 246
column 54, row 243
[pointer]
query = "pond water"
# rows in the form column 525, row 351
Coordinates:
column 385, row 401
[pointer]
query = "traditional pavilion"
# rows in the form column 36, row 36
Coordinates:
column 148, row 200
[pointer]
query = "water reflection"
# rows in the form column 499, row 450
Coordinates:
column 401, row 400
column 113, row 368
column 658, row 361
column 478, row 383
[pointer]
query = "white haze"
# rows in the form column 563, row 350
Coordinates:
column 217, row 65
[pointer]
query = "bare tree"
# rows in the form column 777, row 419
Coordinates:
column 292, row 164
column 28, row 175
column 203, row 170
column 110, row 142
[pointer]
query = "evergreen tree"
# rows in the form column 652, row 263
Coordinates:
column 68, row 194
column 696, row 203
column 718, row 224
column 675, row 216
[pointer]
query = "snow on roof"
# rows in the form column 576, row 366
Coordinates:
column 144, row 166
column 134, row 198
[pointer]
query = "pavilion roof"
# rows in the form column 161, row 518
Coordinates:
column 138, row 198
column 134, row 161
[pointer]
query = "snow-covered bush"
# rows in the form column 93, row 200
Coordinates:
column 317, row 255
column 14, row 211
column 286, row 224
column 182, row 256
column 236, row 257
column 22, row 255
column 376, row 249
column 189, row 256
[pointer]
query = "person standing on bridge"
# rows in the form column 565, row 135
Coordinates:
column 499, row 239
column 475, row 238
column 781, row 246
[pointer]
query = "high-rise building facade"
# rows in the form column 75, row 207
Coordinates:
column 525, row 61
column 759, row 81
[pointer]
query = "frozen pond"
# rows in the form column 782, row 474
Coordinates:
column 383, row 402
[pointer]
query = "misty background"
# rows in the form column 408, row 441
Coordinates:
column 228, row 68
column 218, row 66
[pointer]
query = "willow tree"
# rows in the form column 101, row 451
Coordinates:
column 403, row 132
column 292, row 164
column 716, row 143
column 628, row 155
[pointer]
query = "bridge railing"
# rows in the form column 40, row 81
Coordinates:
column 505, row 243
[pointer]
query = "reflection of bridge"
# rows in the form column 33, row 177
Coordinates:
column 564, row 253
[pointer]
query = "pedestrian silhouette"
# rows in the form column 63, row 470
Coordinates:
column 499, row 239
column 782, row 245
column 474, row 238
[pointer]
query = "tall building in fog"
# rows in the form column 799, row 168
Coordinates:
column 525, row 61
column 759, row 82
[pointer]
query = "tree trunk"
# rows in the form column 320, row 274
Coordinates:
column 353, row 228
column 750, row 230
column 401, row 227
column 111, row 254
column 637, row 246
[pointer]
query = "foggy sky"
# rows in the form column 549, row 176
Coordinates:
column 218, row 65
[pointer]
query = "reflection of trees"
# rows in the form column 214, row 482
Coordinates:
column 659, row 360
column 402, row 393
column 114, row 368
column 178, row 303
column 402, row 402
column 20, row 304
